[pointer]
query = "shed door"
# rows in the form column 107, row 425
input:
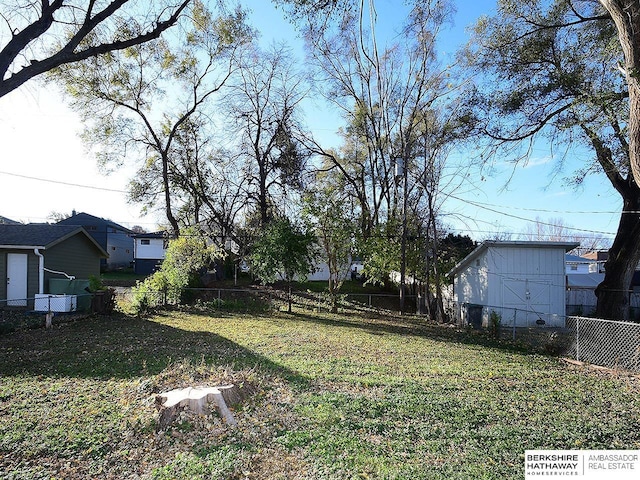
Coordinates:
column 17, row 279
column 525, row 300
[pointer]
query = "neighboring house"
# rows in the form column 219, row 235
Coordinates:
column 321, row 271
column 8, row 221
column 32, row 255
column 149, row 251
column 114, row 239
column 578, row 265
column 582, row 280
column 599, row 258
column 581, row 287
column 523, row 282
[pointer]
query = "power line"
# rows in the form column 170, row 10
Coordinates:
column 482, row 206
column 68, row 184
column 568, row 212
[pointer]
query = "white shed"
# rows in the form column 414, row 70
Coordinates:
column 522, row 281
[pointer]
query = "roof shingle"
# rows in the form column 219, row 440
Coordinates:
column 34, row 234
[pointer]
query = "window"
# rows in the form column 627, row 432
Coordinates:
column 145, row 241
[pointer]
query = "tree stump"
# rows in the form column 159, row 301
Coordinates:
column 198, row 399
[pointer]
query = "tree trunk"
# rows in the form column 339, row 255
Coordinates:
column 613, row 292
column 333, row 294
column 624, row 255
column 626, row 16
column 167, row 195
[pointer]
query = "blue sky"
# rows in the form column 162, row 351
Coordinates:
column 39, row 138
column 509, row 200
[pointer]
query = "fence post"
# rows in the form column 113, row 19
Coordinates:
column 515, row 314
column 49, row 315
column 578, row 339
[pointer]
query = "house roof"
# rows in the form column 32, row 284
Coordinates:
column 84, row 219
column 566, row 246
column 8, row 221
column 41, row 235
column 576, row 259
column 599, row 255
column 584, row 280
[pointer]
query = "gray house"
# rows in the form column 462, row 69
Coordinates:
column 32, row 255
column 114, row 239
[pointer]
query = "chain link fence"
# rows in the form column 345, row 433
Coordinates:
column 604, row 342
column 42, row 309
column 226, row 298
column 262, row 299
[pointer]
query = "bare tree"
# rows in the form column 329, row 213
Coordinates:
column 207, row 179
column 263, row 103
column 552, row 230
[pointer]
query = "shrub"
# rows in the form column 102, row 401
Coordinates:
column 495, row 321
column 185, row 257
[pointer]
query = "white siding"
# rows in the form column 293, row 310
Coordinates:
column 525, row 284
column 581, row 268
column 471, row 286
column 154, row 250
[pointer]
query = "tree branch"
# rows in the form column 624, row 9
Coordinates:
column 67, row 53
column 23, row 38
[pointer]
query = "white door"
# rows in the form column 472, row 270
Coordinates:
column 526, row 302
column 17, row 279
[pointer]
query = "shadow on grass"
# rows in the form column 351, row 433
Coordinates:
column 411, row 326
column 124, row 347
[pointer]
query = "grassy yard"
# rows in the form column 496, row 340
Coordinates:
column 336, row 397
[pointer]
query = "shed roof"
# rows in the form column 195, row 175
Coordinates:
column 41, row 235
column 566, row 246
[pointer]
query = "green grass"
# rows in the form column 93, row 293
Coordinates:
column 121, row 277
column 337, row 397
